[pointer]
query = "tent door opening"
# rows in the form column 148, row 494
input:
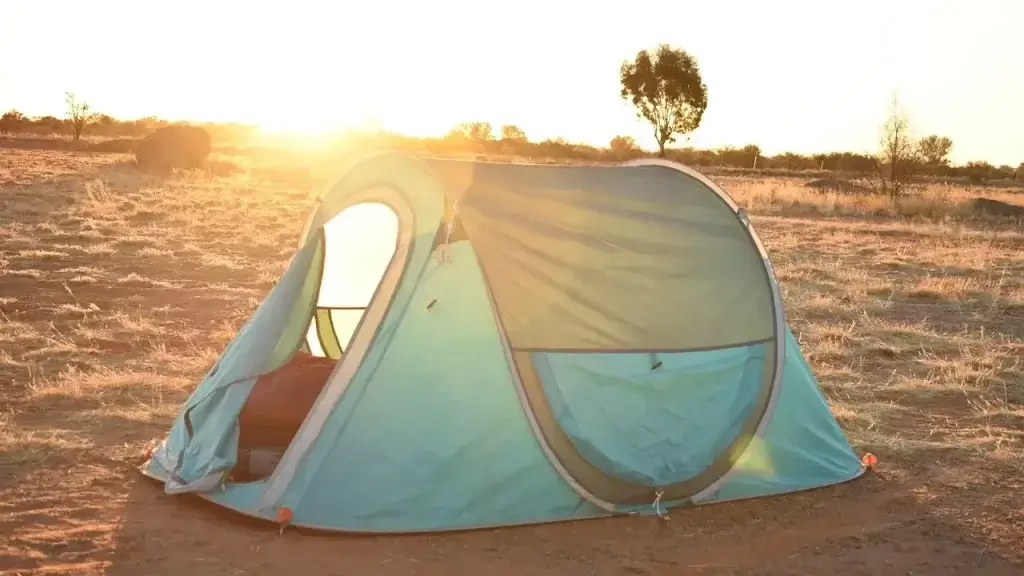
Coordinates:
column 359, row 244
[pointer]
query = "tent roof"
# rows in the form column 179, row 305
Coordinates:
column 597, row 257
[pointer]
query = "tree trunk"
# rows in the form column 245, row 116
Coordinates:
column 661, row 137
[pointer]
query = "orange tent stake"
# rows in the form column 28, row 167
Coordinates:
column 284, row 517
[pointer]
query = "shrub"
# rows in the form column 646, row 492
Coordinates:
column 174, row 147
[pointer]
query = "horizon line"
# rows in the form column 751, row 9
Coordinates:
column 376, row 127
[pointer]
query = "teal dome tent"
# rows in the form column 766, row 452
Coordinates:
column 508, row 344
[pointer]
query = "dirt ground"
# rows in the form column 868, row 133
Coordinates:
column 118, row 290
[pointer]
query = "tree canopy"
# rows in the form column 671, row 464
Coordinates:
column 476, row 131
column 667, row 90
column 623, row 144
column 78, row 114
column 512, row 132
column 935, row 149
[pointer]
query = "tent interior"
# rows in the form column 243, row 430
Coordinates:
column 359, row 243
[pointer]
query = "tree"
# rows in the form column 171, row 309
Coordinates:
column 512, row 132
column 666, row 89
column 624, row 148
column 979, row 171
column 793, row 161
column 50, row 125
column 899, row 154
column 476, row 131
column 621, row 144
column 745, row 157
column 934, row 150
column 77, row 114
column 11, row 121
column 749, row 155
column 1019, row 174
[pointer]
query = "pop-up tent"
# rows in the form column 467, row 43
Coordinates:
column 511, row 344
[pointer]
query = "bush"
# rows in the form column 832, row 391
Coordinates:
column 174, row 147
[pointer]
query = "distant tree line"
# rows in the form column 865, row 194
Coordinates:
column 667, row 92
column 79, row 121
column 929, row 154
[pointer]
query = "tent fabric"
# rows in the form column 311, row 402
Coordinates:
column 432, row 434
column 604, row 483
column 203, row 440
column 546, row 343
column 653, row 426
column 601, row 258
column 406, row 186
column 801, row 447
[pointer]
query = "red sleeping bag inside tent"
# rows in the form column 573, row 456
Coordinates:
column 280, row 401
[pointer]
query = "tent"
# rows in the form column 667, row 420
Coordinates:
column 514, row 344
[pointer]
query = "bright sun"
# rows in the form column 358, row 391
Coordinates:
column 299, row 125
column 316, row 116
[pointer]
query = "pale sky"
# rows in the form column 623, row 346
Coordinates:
column 789, row 75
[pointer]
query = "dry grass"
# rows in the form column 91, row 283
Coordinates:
column 119, row 289
column 930, row 203
column 910, row 319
